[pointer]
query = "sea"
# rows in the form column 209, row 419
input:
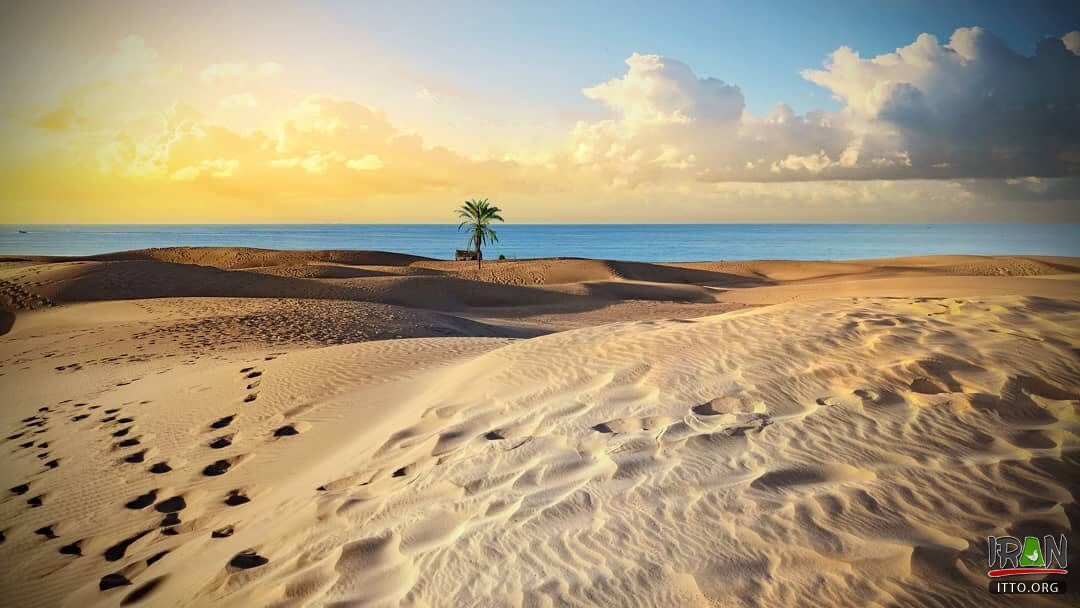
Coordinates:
column 644, row 242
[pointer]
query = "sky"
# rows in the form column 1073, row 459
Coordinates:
column 194, row 112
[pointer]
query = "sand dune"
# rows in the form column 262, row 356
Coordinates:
column 247, row 257
column 279, row 450
column 559, row 284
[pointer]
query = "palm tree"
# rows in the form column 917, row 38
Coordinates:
column 477, row 216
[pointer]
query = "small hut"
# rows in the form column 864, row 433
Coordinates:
column 465, row 254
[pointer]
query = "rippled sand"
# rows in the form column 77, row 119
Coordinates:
column 853, row 442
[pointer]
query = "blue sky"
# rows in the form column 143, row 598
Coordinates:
column 551, row 50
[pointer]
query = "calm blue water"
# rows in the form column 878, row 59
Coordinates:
column 647, row 242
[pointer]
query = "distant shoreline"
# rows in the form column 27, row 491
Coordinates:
column 398, row 257
column 643, row 242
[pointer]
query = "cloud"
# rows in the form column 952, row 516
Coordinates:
column 131, row 126
column 315, row 162
column 238, row 101
column 216, row 168
column 969, row 108
column 232, row 72
column 972, row 125
column 59, row 119
column 660, row 91
column 1072, row 42
column 370, row 162
column 427, row 94
column 666, row 122
column 316, row 150
column 669, row 125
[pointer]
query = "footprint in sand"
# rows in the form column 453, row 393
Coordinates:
column 250, row 398
column 286, row 431
column 47, row 532
column 74, row 548
column 117, row 551
column 236, row 498
column 111, row 581
column 136, row 458
column 225, row 532
column 221, row 442
column 142, row 501
column 52, row 464
column 160, row 467
column 36, row 501
column 21, row 488
column 221, row 423
column 219, row 467
column 248, row 559
column 171, row 505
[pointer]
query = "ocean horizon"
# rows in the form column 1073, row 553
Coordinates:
column 644, row 242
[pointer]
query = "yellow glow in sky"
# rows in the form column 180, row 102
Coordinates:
column 228, row 130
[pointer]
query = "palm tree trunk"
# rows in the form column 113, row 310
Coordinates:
column 479, row 255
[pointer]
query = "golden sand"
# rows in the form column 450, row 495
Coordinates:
column 202, row 427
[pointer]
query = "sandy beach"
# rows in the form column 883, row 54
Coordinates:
column 245, row 427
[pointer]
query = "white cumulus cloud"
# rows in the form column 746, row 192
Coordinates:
column 969, row 108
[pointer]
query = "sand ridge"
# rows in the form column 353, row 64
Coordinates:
column 179, row 272
column 527, row 293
